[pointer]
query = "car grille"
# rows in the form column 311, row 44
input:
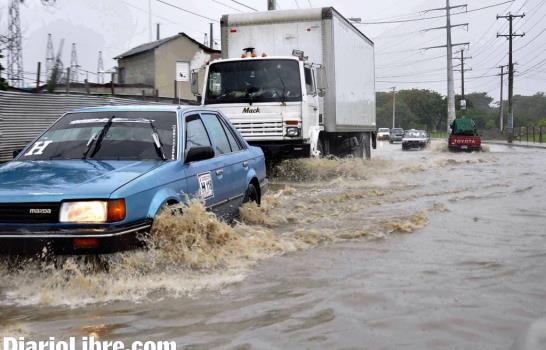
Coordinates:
column 32, row 213
column 250, row 129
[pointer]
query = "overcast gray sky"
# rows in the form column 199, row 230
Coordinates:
column 115, row 26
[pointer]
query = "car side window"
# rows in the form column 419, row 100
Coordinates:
column 235, row 146
column 236, row 143
column 196, row 134
column 217, row 134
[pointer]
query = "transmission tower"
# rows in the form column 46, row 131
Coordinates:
column 100, row 69
column 50, row 56
column 74, row 67
column 15, row 47
column 449, row 45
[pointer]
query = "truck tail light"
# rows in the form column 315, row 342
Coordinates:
column 233, row 30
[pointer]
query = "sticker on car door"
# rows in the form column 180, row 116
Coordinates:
column 206, row 189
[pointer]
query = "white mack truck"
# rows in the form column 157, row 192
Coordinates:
column 297, row 83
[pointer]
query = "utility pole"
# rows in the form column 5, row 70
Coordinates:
column 157, row 32
column 74, row 67
column 449, row 45
column 211, row 36
column 462, row 70
column 393, row 107
column 150, row 34
column 206, row 40
column 50, row 57
column 38, row 72
column 100, row 69
column 501, row 107
column 15, row 46
column 510, row 17
column 271, row 5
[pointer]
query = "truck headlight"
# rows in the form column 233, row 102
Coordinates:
column 92, row 211
column 292, row 131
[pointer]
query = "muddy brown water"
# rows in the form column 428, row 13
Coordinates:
column 413, row 250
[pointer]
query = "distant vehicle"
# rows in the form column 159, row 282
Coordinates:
column 396, row 135
column 296, row 83
column 96, row 179
column 464, row 136
column 383, row 133
column 415, row 139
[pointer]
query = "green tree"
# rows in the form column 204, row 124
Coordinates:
column 3, row 83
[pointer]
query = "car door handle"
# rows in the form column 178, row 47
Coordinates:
column 245, row 164
column 219, row 172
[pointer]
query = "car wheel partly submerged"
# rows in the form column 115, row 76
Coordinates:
column 251, row 194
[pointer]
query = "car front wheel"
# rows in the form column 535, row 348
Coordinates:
column 251, row 194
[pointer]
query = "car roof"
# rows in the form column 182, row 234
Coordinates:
column 143, row 108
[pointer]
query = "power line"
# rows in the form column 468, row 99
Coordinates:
column 244, row 5
column 228, row 6
column 188, row 11
column 409, row 62
column 440, row 16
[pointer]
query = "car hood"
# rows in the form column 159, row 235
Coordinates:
column 64, row 179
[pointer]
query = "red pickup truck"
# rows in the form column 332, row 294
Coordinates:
column 464, row 136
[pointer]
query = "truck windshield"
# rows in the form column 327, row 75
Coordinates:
column 112, row 135
column 250, row 81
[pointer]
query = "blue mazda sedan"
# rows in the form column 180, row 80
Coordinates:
column 95, row 180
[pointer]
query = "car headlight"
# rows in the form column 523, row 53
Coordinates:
column 292, row 131
column 95, row 211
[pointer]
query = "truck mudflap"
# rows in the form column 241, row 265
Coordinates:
column 283, row 150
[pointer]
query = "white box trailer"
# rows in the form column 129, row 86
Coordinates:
column 326, row 38
column 296, row 82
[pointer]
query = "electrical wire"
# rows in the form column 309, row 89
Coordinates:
column 228, row 6
column 434, row 17
column 244, row 5
column 188, row 11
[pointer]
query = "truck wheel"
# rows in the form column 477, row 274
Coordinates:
column 366, row 142
column 324, row 146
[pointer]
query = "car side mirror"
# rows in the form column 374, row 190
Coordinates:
column 321, row 81
column 16, row 152
column 196, row 154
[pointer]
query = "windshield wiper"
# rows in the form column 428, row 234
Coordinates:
column 98, row 140
column 157, row 141
column 88, row 145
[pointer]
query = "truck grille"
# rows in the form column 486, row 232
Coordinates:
column 31, row 213
column 252, row 129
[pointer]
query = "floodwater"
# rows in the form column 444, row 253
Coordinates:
column 412, row 250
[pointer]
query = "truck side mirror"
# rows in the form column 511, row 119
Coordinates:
column 321, row 81
column 195, row 83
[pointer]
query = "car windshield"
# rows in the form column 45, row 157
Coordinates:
column 251, row 81
column 108, row 136
column 383, row 130
column 397, row 131
column 414, row 133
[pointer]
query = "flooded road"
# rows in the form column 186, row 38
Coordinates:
column 413, row 250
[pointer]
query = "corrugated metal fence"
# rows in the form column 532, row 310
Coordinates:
column 23, row 116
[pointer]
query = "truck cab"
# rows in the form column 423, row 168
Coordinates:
column 273, row 101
